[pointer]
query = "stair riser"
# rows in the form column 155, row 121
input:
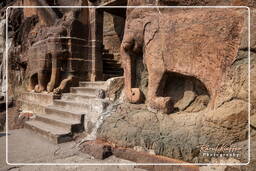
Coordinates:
column 33, row 108
column 92, row 106
column 89, row 92
column 77, row 98
column 43, row 99
column 53, row 122
column 110, row 71
column 109, row 62
column 92, row 85
column 72, row 107
column 64, row 114
column 113, row 66
column 57, row 139
column 107, row 56
column 72, row 127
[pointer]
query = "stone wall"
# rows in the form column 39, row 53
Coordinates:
column 2, row 49
column 113, row 28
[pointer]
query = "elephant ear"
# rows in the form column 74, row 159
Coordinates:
column 151, row 27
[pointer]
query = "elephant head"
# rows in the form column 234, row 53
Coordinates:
column 133, row 45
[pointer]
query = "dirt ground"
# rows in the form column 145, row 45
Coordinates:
column 36, row 149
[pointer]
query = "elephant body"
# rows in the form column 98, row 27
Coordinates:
column 45, row 62
column 201, row 43
column 56, row 58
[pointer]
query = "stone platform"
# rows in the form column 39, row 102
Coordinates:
column 59, row 119
column 35, row 102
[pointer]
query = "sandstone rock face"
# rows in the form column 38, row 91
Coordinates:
column 249, row 3
column 192, row 124
column 211, row 42
column 50, row 47
column 114, row 88
column 182, row 134
column 113, row 34
column 2, row 48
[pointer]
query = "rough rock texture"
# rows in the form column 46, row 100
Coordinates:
column 113, row 33
column 193, row 2
column 177, row 136
column 97, row 149
column 211, row 42
column 48, row 50
column 114, row 88
column 182, row 134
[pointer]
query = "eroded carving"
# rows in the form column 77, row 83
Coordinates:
column 201, row 44
column 56, row 58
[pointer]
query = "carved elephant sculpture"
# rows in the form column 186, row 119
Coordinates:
column 47, row 57
column 200, row 43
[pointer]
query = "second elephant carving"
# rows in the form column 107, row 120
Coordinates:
column 56, row 58
column 201, row 43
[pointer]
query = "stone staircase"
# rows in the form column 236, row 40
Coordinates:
column 59, row 119
column 111, row 67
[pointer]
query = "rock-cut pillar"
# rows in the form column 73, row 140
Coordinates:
column 96, row 42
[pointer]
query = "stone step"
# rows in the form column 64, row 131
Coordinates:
column 107, row 56
column 108, row 76
column 89, row 91
column 64, row 113
column 76, row 97
column 104, row 51
column 53, row 133
column 30, row 106
column 42, row 98
column 110, row 62
column 113, row 67
column 97, row 84
column 109, row 59
column 86, row 106
column 56, row 120
column 72, row 106
column 112, row 70
column 118, row 73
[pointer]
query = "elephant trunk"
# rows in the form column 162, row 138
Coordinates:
column 133, row 95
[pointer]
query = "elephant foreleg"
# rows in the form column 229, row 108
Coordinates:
column 54, row 73
column 156, row 83
column 133, row 95
column 41, row 86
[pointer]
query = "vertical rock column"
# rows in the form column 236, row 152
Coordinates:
column 96, row 25
column 2, row 58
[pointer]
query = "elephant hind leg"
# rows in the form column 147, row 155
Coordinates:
column 64, row 84
column 155, row 88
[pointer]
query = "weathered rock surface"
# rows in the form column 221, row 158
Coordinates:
column 192, row 124
column 204, row 50
column 179, row 135
column 182, row 134
column 113, row 33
